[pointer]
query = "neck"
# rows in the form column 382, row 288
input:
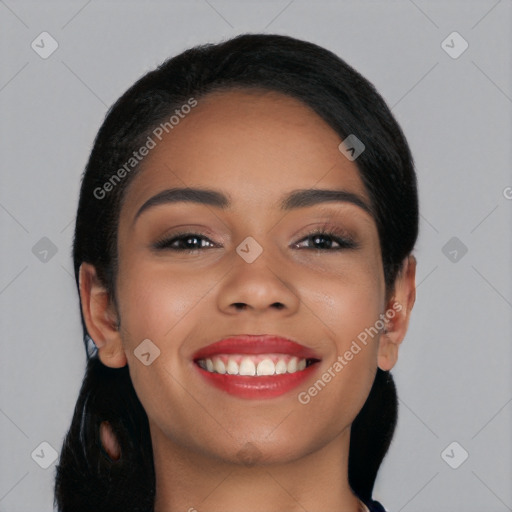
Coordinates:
column 189, row 481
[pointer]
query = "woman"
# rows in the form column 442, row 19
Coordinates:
column 243, row 255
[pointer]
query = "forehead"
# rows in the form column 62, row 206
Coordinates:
column 254, row 145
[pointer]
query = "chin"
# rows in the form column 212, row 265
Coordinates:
column 252, row 453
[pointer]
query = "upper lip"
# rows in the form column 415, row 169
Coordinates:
column 255, row 344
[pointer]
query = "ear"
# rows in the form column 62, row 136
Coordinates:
column 398, row 311
column 100, row 317
column 109, row 441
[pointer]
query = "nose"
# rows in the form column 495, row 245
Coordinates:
column 257, row 287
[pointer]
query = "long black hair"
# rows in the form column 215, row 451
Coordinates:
column 86, row 477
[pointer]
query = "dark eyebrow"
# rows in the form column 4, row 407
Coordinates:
column 301, row 198
column 311, row 196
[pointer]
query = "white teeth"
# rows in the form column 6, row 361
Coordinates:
column 247, row 367
column 281, row 366
column 266, row 367
column 232, row 367
column 253, row 365
column 292, row 365
column 218, row 366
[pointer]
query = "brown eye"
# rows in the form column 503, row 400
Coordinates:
column 183, row 242
column 324, row 239
column 319, row 240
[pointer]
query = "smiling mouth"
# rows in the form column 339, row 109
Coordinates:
column 252, row 366
column 259, row 365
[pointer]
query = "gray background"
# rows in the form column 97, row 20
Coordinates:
column 453, row 375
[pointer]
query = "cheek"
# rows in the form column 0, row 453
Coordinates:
column 347, row 309
column 352, row 316
column 347, row 373
column 154, row 300
column 348, row 301
column 160, row 308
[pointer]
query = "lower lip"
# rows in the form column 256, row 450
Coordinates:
column 268, row 386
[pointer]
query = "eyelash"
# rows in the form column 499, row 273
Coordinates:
column 339, row 236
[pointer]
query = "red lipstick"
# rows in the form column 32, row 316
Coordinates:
column 269, row 365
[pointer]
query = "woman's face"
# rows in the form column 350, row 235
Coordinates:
column 250, row 268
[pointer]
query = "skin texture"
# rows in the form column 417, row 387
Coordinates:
column 214, row 451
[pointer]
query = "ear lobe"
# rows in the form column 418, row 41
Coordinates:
column 100, row 317
column 109, row 441
column 398, row 312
